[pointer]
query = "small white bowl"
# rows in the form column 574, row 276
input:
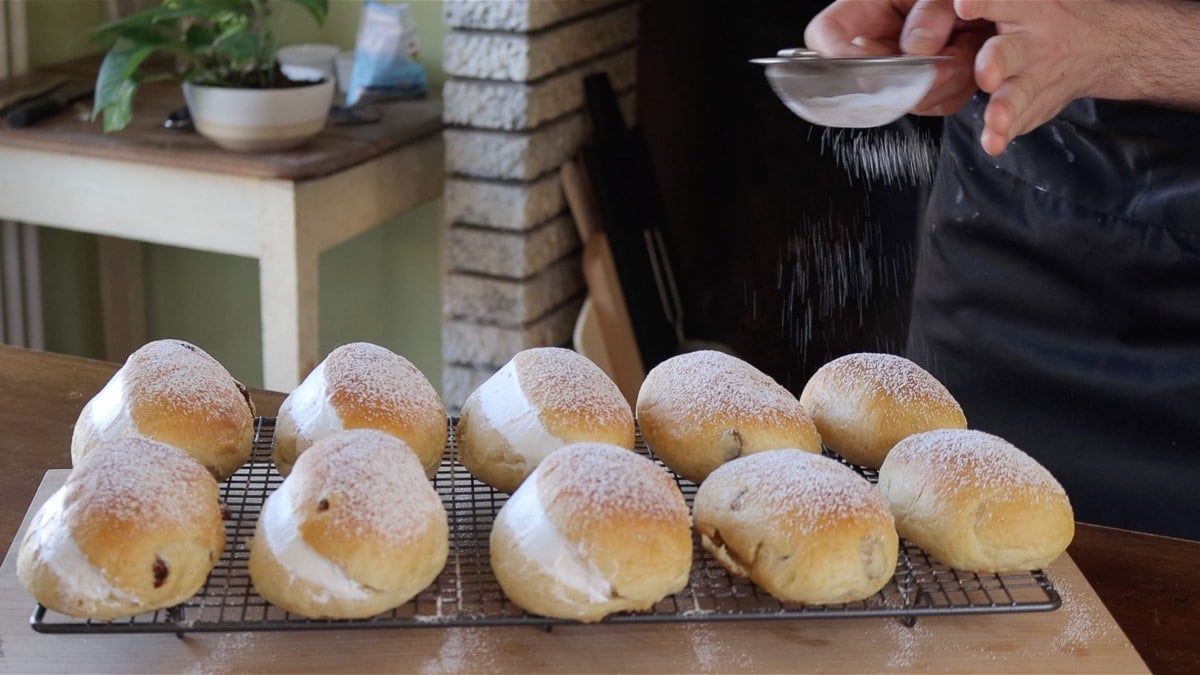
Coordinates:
column 310, row 55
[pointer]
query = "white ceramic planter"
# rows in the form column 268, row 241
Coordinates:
column 261, row 120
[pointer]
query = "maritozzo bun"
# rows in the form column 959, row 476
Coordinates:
column 354, row 530
column 864, row 403
column 701, row 409
column 804, row 527
column 594, row 530
column 976, row 502
column 174, row 392
column 136, row 527
column 362, row 386
column 541, row 400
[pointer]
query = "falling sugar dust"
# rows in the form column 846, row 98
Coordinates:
column 844, row 278
column 898, row 155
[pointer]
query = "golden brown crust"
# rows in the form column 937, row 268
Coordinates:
column 145, row 514
column 702, row 409
column 975, row 502
column 485, row 452
column 360, row 499
column 173, row 392
column 570, row 399
column 621, row 512
column 575, row 399
column 802, row 526
column 864, row 403
column 365, row 386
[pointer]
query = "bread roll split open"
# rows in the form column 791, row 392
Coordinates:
column 176, row 393
column 362, row 386
column 594, row 530
column 543, row 399
column 136, row 527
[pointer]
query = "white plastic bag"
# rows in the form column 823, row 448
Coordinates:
column 385, row 56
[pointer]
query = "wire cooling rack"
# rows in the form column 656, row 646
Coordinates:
column 467, row 594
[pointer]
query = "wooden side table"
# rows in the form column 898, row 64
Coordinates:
column 151, row 184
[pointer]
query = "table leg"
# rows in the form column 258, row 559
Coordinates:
column 122, row 296
column 288, row 291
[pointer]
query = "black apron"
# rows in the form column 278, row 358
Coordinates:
column 1057, row 296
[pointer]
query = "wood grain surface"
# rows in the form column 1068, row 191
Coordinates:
column 146, row 140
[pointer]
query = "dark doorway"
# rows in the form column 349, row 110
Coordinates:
column 788, row 256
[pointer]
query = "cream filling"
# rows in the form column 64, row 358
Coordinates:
column 309, row 409
column 77, row 577
column 299, row 559
column 109, row 410
column 541, row 543
column 510, row 413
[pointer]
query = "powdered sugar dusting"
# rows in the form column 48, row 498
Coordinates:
column 906, row 643
column 708, row 385
column 135, row 479
column 560, row 379
column 183, row 378
column 611, row 480
column 809, row 491
column 893, row 376
column 375, row 485
column 380, row 383
column 966, row 457
column 464, row 650
column 714, row 651
column 230, row 653
column 1083, row 627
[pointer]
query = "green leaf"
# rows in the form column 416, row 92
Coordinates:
column 117, row 82
column 119, row 110
column 239, row 45
column 199, row 37
column 317, row 9
column 112, row 73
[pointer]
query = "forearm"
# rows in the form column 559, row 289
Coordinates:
column 1157, row 56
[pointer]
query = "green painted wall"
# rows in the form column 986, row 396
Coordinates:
column 382, row 287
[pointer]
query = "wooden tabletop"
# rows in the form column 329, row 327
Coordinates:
column 1146, row 582
column 146, row 140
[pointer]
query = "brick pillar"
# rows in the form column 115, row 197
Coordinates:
column 515, row 113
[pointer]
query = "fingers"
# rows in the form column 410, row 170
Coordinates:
column 928, row 27
column 827, row 35
column 991, row 10
column 997, row 125
column 955, row 82
column 1017, row 107
column 1000, row 58
column 855, row 28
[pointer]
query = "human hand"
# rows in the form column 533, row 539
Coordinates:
column 1044, row 55
column 919, row 27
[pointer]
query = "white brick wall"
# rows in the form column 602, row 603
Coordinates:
column 489, row 104
column 513, row 205
column 516, row 16
column 515, row 109
column 508, row 253
column 525, row 56
column 520, row 155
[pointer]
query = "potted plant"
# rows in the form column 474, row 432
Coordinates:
column 225, row 53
